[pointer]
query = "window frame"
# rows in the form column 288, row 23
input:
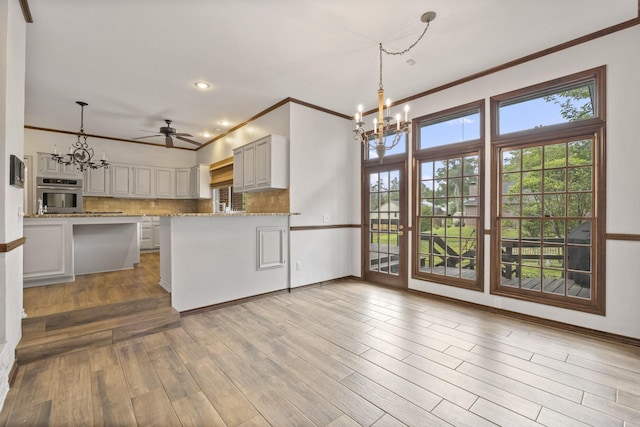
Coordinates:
column 458, row 149
column 594, row 129
column 597, row 75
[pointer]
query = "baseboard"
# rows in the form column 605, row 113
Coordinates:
column 13, row 373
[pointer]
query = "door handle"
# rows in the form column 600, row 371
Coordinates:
column 400, row 233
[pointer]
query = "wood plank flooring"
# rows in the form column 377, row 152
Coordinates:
column 93, row 290
column 343, row 354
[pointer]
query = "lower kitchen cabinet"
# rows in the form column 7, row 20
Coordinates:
column 149, row 234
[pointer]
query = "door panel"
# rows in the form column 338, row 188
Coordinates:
column 385, row 218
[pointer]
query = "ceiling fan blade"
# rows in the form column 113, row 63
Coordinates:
column 183, row 134
column 187, row 140
column 152, row 131
column 150, row 136
column 169, row 141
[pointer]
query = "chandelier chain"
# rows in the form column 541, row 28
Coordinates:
column 401, row 52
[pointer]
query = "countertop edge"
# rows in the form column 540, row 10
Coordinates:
column 194, row 214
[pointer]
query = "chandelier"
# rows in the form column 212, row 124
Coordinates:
column 80, row 154
column 385, row 135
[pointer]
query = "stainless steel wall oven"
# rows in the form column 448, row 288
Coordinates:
column 60, row 195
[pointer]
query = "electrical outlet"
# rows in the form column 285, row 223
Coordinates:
column 325, row 218
column 497, row 302
column 298, row 266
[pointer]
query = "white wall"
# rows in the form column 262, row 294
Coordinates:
column 117, row 151
column 321, row 172
column 275, row 122
column 12, row 74
column 619, row 53
column 321, row 178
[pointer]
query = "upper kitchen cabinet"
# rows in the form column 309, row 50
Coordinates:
column 164, row 183
column 131, row 181
column 183, row 183
column 48, row 167
column 143, row 178
column 199, row 182
column 262, row 165
column 96, row 182
column 120, row 180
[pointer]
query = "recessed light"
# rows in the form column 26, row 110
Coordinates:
column 224, row 123
column 411, row 61
column 202, row 85
column 206, row 134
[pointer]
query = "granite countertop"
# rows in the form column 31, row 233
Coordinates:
column 82, row 215
column 186, row 214
column 230, row 214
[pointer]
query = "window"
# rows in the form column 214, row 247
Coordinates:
column 400, row 148
column 548, row 245
column 449, row 209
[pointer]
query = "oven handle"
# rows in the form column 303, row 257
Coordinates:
column 44, row 187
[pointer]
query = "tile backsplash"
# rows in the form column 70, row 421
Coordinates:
column 144, row 206
column 273, row 201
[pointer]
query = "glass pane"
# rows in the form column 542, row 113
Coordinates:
column 580, row 205
column 579, row 232
column 400, row 148
column 532, row 182
column 464, row 127
column 511, row 183
column 554, row 231
column 531, row 158
column 554, row 205
column 426, row 170
column 531, row 206
column 510, row 206
column 554, row 180
column 531, row 229
column 511, row 160
column 427, row 189
column 553, row 281
column 580, row 152
column 471, row 165
column 549, row 108
column 555, row 156
column 374, row 202
column 580, row 179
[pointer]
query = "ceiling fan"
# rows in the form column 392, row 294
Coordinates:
column 168, row 133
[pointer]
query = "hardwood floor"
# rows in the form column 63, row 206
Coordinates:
column 342, row 354
column 93, row 290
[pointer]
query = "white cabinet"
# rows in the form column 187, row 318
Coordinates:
column 248, row 167
column 96, row 182
column 155, row 227
column 142, row 181
column 146, row 233
column 261, row 165
column 50, row 168
column 199, row 178
column 48, row 250
column 149, row 233
column 238, row 170
column 138, row 181
column 164, row 183
column 120, row 180
column 183, row 183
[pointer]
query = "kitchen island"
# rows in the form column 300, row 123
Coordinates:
column 60, row 246
column 208, row 259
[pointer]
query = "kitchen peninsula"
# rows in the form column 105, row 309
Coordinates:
column 59, row 246
column 208, row 259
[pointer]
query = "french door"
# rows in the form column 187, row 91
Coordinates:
column 384, row 245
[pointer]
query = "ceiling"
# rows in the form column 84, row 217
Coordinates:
column 136, row 62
